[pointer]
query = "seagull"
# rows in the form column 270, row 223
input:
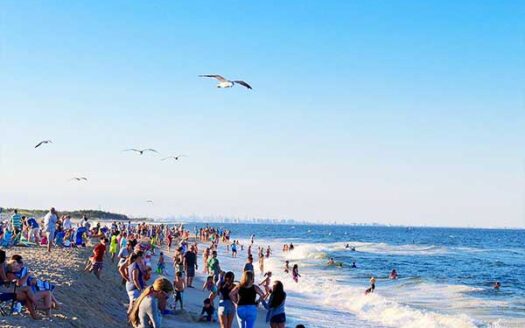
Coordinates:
column 43, row 142
column 173, row 157
column 79, row 179
column 141, row 151
column 149, row 201
column 224, row 83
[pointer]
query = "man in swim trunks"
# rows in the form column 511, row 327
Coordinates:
column 190, row 265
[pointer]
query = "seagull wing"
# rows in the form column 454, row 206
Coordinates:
column 215, row 76
column 244, row 84
column 84, row 178
column 151, row 149
column 165, row 158
column 39, row 144
column 132, row 149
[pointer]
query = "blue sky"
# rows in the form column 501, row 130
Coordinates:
column 402, row 112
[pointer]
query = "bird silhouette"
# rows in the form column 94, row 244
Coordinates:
column 173, row 157
column 142, row 151
column 79, row 179
column 43, row 142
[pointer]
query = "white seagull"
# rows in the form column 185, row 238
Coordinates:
column 173, row 157
column 224, row 83
column 43, row 142
column 79, row 179
column 149, row 201
column 141, row 151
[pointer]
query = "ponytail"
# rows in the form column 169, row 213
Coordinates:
column 134, row 314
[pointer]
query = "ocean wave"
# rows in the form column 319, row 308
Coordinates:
column 322, row 251
column 336, row 294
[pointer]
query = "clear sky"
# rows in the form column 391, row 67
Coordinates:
column 401, row 112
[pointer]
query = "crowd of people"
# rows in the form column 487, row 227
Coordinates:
column 225, row 299
column 131, row 248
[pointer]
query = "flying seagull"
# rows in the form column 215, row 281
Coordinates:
column 173, row 157
column 43, row 142
column 149, row 201
column 79, row 179
column 224, row 83
column 141, row 151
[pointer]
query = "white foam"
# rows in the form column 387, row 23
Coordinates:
column 327, row 296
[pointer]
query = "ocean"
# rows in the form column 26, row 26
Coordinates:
column 446, row 275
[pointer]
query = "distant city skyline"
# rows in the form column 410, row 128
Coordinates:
column 401, row 112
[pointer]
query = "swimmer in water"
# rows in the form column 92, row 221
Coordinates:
column 372, row 285
column 497, row 285
column 287, row 266
column 295, row 273
column 353, row 265
column 331, row 261
column 266, row 283
column 393, row 274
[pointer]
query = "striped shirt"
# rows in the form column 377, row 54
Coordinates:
column 16, row 221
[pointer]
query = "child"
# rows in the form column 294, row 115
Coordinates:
column 234, row 249
column 295, row 273
column 266, row 283
column 209, row 285
column 179, row 289
column 207, row 311
column 160, row 264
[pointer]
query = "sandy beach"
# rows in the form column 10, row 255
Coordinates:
column 88, row 302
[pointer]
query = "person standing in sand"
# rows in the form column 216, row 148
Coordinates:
column 213, row 265
column 179, row 290
column 50, row 221
column 205, row 257
column 134, row 277
column 276, row 315
column 98, row 256
column 244, row 296
column 113, row 245
column 226, row 308
column 190, row 265
column 16, row 222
